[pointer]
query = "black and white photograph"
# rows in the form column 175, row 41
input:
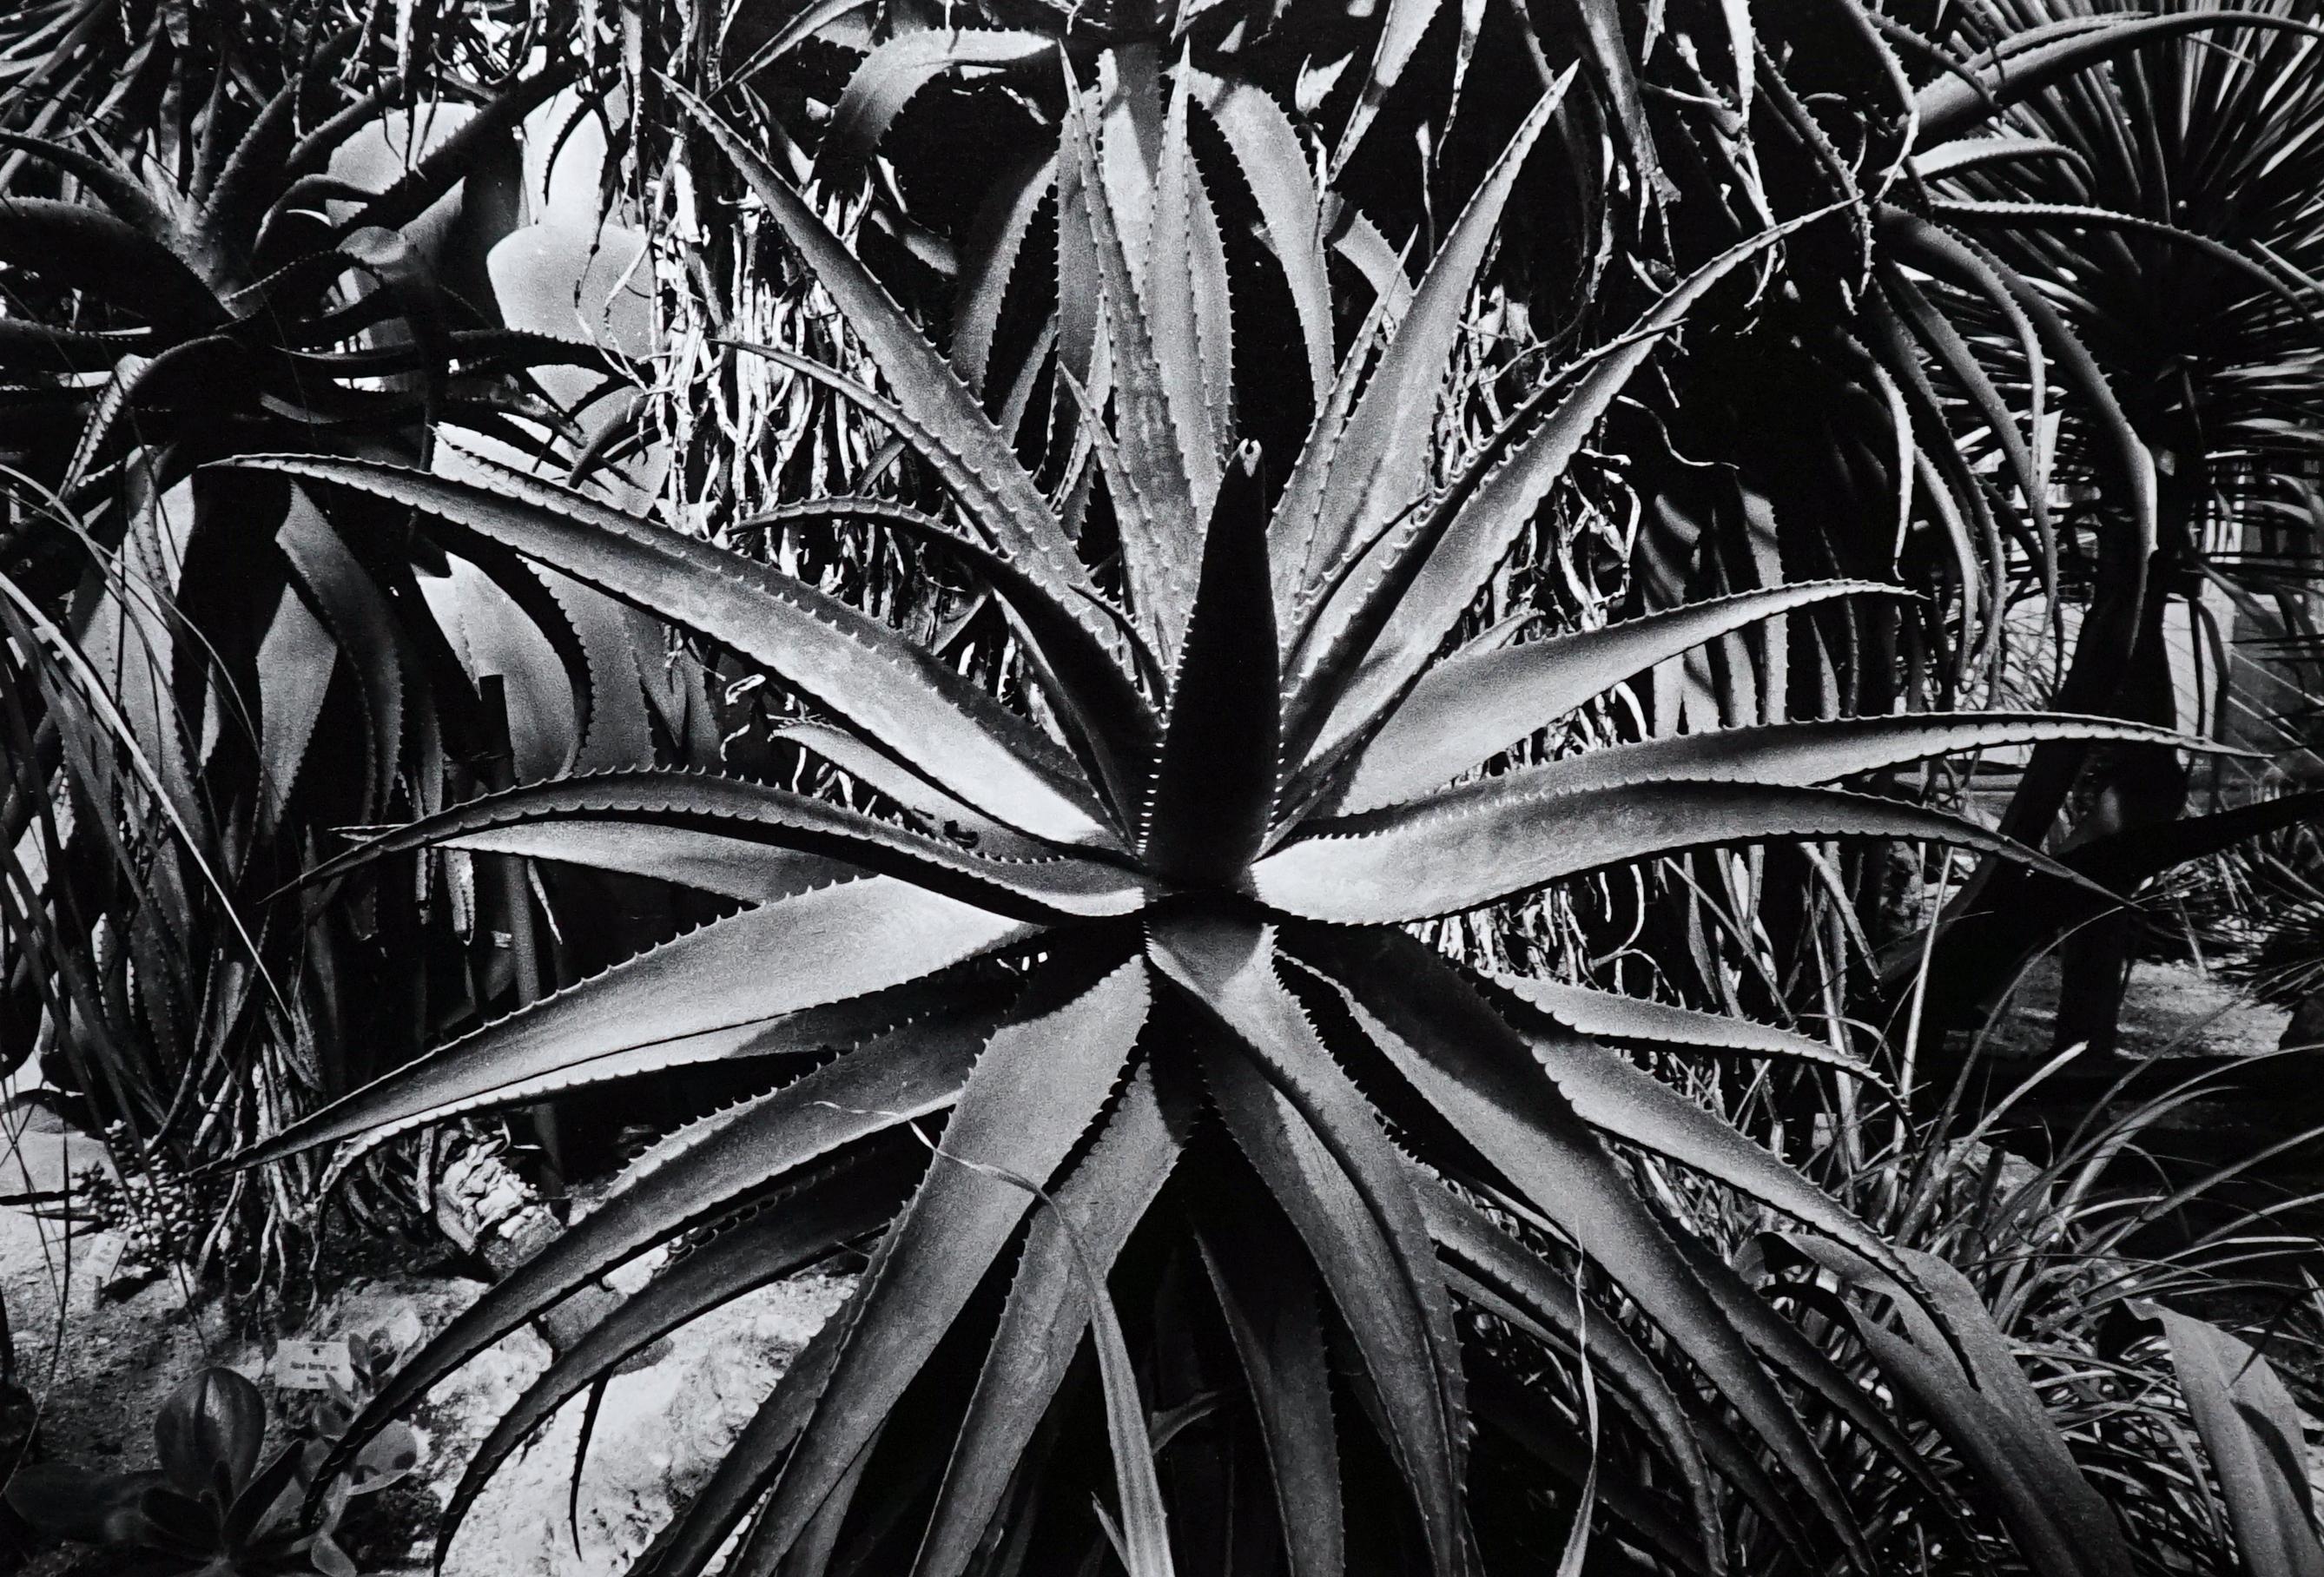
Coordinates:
column 1161, row 788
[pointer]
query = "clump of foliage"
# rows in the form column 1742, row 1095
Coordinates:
column 210, row 1506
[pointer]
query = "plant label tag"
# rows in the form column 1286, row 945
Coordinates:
column 313, row 1365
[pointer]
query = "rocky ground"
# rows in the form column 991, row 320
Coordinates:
column 98, row 1365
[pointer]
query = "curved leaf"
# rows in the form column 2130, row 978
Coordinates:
column 1477, row 845
column 1047, row 1313
column 1487, row 697
column 1046, row 887
column 1041, row 1080
column 834, row 944
column 889, row 78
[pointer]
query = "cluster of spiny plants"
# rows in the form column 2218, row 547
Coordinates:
column 1189, row 1178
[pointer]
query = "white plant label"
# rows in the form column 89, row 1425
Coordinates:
column 314, row 1366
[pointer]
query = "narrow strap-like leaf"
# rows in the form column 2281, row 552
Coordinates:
column 1110, row 719
column 739, row 868
column 1041, row 1080
column 1047, row 887
column 1045, row 1317
column 1989, row 1412
column 1948, row 106
column 1486, row 696
column 1274, row 164
column 823, row 946
column 1844, row 747
column 1471, row 848
column 899, row 694
column 988, row 262
column 1613, row 1016
column 1470, row 1238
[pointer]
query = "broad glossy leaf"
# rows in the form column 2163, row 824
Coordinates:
column 731, row 976
column 1040, row 1081
column 1486, row 696
column 896, row 693
column 209, row 1433
column 1047, row 1313
column 1477, row 845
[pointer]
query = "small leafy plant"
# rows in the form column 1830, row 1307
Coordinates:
column 208, row 1506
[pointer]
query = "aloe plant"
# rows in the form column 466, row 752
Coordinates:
column 1141, row 946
